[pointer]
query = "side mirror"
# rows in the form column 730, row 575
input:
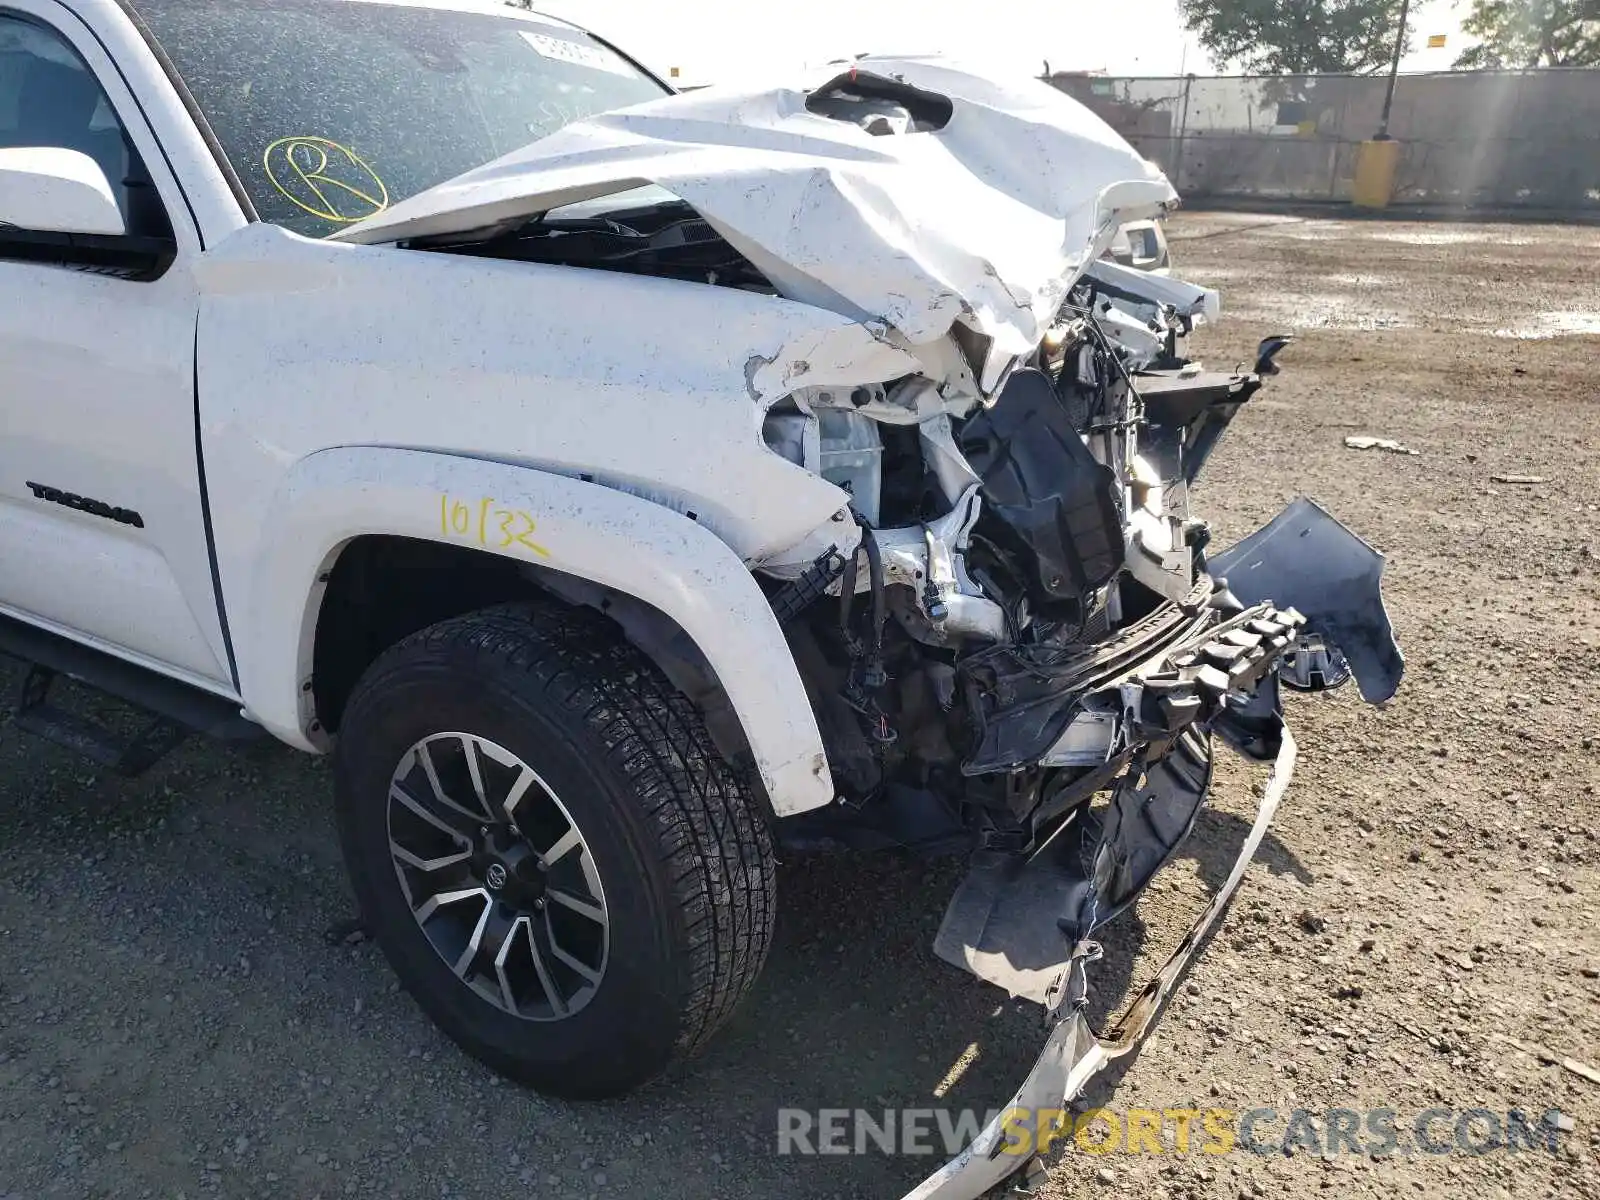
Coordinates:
column 51, row 190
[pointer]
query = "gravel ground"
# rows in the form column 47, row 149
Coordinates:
column 174, row 1019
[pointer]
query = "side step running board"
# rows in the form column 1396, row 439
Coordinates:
column 176, row 708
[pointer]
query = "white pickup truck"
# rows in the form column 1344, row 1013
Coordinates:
column 623, row 484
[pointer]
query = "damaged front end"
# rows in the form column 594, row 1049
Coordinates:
column 1021, row 610
column 1028, row 650
column 1015, row 636
column 1033, row 652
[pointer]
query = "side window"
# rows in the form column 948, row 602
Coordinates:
column 49, row 97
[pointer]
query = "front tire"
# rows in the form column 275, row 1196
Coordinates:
column 543, row 840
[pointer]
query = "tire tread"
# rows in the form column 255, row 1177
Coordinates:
column 711, row 834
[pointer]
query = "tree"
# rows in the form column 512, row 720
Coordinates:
column 1533, row 33
column 1296, row 36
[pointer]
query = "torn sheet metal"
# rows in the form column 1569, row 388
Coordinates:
column 835, row 356
column 1185, row 299
column 986, row 212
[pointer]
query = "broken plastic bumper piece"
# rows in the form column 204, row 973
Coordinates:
column 1298, row 600
column 1177, row 668
column 1074, row 1053
column 1300, row 596
column 1303, row 558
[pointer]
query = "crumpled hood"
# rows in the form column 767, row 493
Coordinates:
column 988, row 218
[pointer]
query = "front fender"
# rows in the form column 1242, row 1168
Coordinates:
column 596, row 533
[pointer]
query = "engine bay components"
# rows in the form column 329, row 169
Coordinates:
column 1026, row 608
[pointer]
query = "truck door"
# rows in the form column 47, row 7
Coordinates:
column 103, row 532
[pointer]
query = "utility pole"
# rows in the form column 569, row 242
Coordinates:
column 1394, row 72
column 1377, row 160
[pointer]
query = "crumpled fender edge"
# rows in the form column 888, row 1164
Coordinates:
column 1073, row 1054
column 583, row 529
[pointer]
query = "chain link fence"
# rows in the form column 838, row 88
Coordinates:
column 1478, row 139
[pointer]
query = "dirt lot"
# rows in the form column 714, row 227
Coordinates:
column 173, row 1020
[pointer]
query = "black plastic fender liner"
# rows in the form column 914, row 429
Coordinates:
column 1144, row 825
column 1011, row 922
column 1053, row 497
column 1003, row 920
column 1305, row 559
column 1074, row 1053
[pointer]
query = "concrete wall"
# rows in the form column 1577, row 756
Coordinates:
column 1470, row 139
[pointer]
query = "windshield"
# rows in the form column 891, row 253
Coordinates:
column 332, row 110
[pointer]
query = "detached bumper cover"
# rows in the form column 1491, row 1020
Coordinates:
column 1199, row 673
column 1303, row 558
column 1073, row 1053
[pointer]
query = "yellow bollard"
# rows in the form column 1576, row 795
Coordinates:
column 1375, row 167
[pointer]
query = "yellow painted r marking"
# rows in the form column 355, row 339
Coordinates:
column 326, row 179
